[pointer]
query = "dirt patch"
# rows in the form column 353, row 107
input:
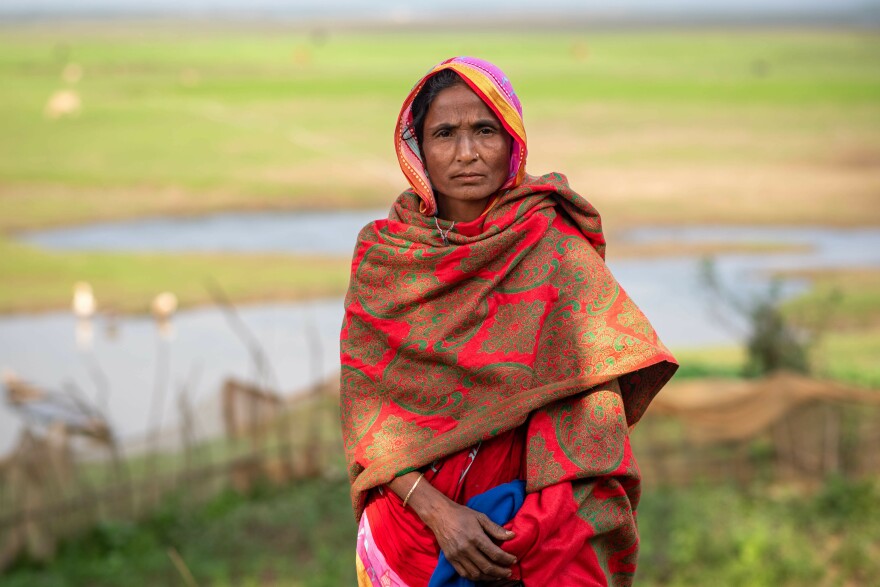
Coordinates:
column 858, row 158
column 786, row 194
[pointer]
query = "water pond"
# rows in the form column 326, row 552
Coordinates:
column 301, row 339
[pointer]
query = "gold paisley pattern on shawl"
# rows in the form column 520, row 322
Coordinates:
column 416, row 384
column 397, row 434
column 380, row 273
column 364, row 343
column 579, row 337
column 591, row 430
column 359, row 409
column 543, row 264
column 491, row 256
column 632, row 319
column 599, row 333
column 497, row 382
column 445, row 328
column 541, row 467
column 606, row 294
column 515, row 329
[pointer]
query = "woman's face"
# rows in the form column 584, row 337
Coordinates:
column 467, row 152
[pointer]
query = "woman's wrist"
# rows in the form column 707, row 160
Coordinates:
column 428, row 503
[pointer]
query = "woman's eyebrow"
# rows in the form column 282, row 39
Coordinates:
column 442, row 126
column 485, row 122
column 477, row 123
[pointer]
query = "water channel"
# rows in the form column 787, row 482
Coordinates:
column 301, row 339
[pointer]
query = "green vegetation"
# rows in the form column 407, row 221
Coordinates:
column 842, row 309
column 724, row 536
column 664, row 126
column 847, row 304
column 848, row 356
column 305, row 535
column 180, row 121
column 851, row 357
column 720, row 361
column 301, row 536
column 39, row 280
column 848, row 299
column 772, row 341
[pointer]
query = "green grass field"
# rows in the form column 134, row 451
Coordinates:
column 180, row 121
column 654, row 126
column 301, row 537
column 38, row 280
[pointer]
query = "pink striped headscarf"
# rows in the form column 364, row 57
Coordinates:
column 490, row 84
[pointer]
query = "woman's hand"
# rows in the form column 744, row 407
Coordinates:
column 467, row 537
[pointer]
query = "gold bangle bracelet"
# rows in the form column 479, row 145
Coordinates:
column 413, row 488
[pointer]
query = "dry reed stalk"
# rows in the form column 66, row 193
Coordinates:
column 181, row 567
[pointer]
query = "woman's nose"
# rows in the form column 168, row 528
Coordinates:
column 466, row 149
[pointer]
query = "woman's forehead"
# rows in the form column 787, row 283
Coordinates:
column 457, row 102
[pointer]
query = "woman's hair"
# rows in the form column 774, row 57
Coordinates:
column 445, row 78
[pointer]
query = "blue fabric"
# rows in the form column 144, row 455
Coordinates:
column 499, row 503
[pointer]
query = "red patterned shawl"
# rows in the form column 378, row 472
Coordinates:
column 443, row 346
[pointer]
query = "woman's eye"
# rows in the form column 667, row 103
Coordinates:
column 487, row 130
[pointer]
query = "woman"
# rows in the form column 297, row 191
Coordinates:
column 486, row 342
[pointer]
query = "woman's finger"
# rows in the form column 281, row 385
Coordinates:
column 488, row 569
column 470, row 570
column 493, row 553
column 459, row 569
column 477, row 566
column 493, row 529
column 497, row 556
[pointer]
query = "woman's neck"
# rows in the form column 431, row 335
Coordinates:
column 460, row 211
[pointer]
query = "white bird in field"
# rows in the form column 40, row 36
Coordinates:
column 164, row 305
column 83, row 300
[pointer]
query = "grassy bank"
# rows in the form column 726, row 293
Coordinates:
column 842, row 307
column 684, row 126
column 305, row 536
column 36, row 280
column 848, row 356
column 848, row 299
column 695, row 126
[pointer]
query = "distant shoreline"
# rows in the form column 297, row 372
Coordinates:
column 867, row 18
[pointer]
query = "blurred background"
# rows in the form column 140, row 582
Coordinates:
column 181, row 186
